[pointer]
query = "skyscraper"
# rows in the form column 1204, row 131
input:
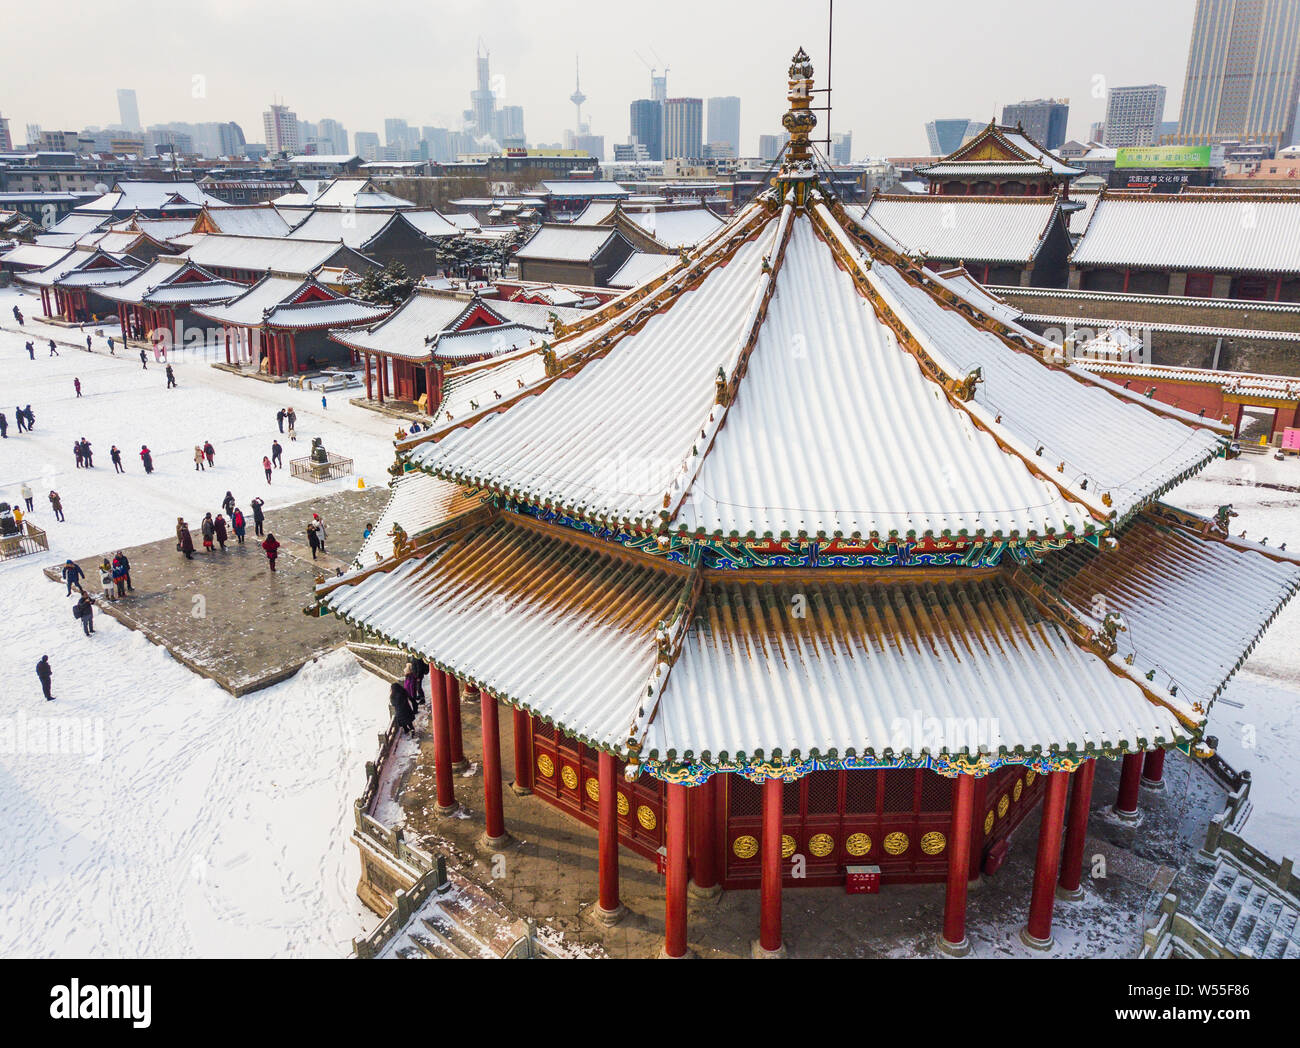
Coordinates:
column 842, row 147
column 647, row 126
column 770, row 146
column 684, row 128
column 1243, row 73
column 367, row 145
column 335, row 134
column 483, row 102
column 6, row 139
column 1043, row 119
column 231, row 139
column 281, row 126
column 510, row 126
column 724, row 121
column 128, row 109
column 1133, row 116
column 947, row 136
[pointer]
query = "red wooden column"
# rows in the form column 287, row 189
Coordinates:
column 979, row 804
column 1076, row 829
column 1038, row 932
column 953, row 939
column 381, row 369
column 769, row 903
column 1153, row 770
column 366, row 357
column 293, row 351
column 458, row 761
column 608, row 909
column 441, row 741
column 494, row 834
column 523, row 784
column 1126, row 804
column 704, row 859
column 675, row 840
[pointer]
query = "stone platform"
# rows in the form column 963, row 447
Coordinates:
column 224, row 615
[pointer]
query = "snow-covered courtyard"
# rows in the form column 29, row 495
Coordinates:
column 187, row 822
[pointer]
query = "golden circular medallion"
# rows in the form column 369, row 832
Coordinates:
column 646, row 817
column 1030, row 776
column 896, row 843
column 546, row 766
column 933, row 843
column 593, row 788
column 988, row 823
column 787, row 846
column 858, row 844
column 821, row 844
column 745, row 847
column 1019, row 789
column 623, row 806
column 1004, row 802
column 569, row 777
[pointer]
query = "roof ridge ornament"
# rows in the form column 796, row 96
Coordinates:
column 799, row 121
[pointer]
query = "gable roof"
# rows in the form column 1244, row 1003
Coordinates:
column 1001, row 152
column 1009, row 230
column 567, row 243
column 281, row 254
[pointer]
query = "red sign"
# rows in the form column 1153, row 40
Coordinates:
column 862, row 880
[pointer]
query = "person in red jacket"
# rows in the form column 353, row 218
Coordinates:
column 272, row 548
column 266, row 467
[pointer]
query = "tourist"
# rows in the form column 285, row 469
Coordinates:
column 72, row 575
column 420, row 669
column 320, row 530
column 272, row 548
column 210, row 453
column 86, row 454
column 4, row 426
column 76, row 450
column 26, row 493
column 76, row 384
column 56, row 504
column 266, row 468
column 53, row 351
column 257, row 516
column 22, row 419
column 228, row 503
column 146, row 456
column 126, row 570
column 411, row 683
column 276, row 452
column 112, row 350
column 119, row 576
column 322, row 402
column 291, row 417
column 87, row 343
column 45, row 673
column 106, row 578
column 171, row 377
column 313, row 539
column 279, row 419
column 365, row 534
column 31, row 350
column 85, row 611
column 18, row 316
column 198, row 457
column 31, row 418
column 403, row 713
column 144, row 360
column 208, row 530
column 116, row 455
column 293, row 433
column 239, row 524
column 219, row 530
column 184, row 540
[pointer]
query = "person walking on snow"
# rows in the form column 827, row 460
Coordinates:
column 403, row 714
column 53, row 349
column 320, row 530
column 279, row 419
column 322, row 401
column 210, row 453
column 45, row 674
column 198, row 457
column 116, row 455
column 4, row 426
column 18, row 316
column 126, row 570
column 258, row 516
column 87, row 343
column 239, row 524
column 106, row 578
column 86, row 453
column 146, row 456
column 144, row 360
column 56, row 504
column 112, row 349
column 266, row 466
column 184, row 540
column 22, row 419
column 31, row 418
column 119, row 576
column 85, row 611
column 31, row 350
column 276, row 452
column 313, row 541
column 27, row 496
column 272, row 549
column 208, row 529
column 72, row 575
column 228, row 503
column 219, row 529
column 171, row 377
column 76, row 384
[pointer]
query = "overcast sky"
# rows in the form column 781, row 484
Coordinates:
column 896, row 64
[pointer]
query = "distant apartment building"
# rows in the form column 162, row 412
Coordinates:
column 6, row 139
column 1096, row 131
column 510, row 127
column 947, row 136
column 647, row 126
column 1133, row 116
column 332, row 136
column 128, row 109
column 770, row 146
column 56, row 142
column 842, row 148
column 366, row 145
column 1243, row 74
column 724, row 121
column 281, row 126
column 684, row 128
column 1043, row 119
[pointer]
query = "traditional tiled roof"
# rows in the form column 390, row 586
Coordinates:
column 999, row 152
column 567, row 243
column 419, row 503
column 677, row 227
column 1191, row 232
column 259, row 254
column 1280, row 387
column 251, row 308
column 1007, row 230
column 640, row 267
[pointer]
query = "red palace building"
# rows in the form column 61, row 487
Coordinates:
column 797, row 554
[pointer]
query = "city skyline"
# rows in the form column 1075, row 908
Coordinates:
column 528, row 70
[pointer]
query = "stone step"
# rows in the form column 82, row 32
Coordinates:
column 1235, row 899
column 1280, row 930
column 1251, row 917
column 432, row 943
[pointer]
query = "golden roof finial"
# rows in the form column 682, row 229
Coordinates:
column 799, row 120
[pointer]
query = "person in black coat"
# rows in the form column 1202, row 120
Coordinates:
column 4, row 425
column 171, row 377
column 116, row 456
column 44, row 672
column 419, row 670
column 403, row 712
column 72, row 575
column 279, row 419
column 86, row 613
column 258, row 517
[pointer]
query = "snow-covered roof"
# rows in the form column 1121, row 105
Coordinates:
column 609, row 190
column 127, row 196
column 258, row 254
column 1273, row 387
column 1008, row 230
column 999, row 152
column 467, row 388
column 353, row 228
column 1080, row 219
column 641, row 266
column 356, row 193
column 251, row 308
column 482, row 342
column 409, row 329
column 77, row 223
column 678, row 227
column 466, row 223
column 534, row 314
column 566, row 243
column 418, row 504
column 256, row 221
column 324, row 313
column 1187, row 231
column 433, row 224
column 35, row 256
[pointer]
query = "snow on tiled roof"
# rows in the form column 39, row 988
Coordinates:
column 585, row 189
column 1192, row 232
column 640, row 267
column 251, row 308
column 151, row 196
column 485, row 342
column 974, row 229
column 681, row 227
column 566, row 243
column 418, row 503
column 262, row 221
column 1279, row 387
column 467, row 388
column 259, row 254
column 433, row 224
column 596, row 212
column 407, row 331
column 534, row 314
column 1079, row 219
column 35, row 255
column 322, row 313
column 77, row 223
column 354, row 228
column 463, row 222
column 356, row 193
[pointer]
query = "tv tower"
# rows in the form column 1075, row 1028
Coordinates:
column 577, row 98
